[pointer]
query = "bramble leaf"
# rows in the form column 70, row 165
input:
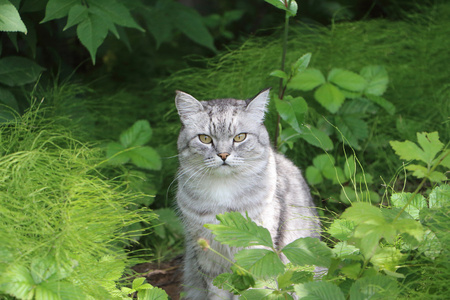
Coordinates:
column 347, row 80
column 439, row 196
column 153, row 294
column 261, row 263
column 329, row 97
column 377, row 80
column 319, row 290
column 388, row 106
column 145, row 157
column 400, row 199
column 139, row 134
column 316, row 137
column 116, row 153
column 341, row 229
column 430, row 144
column 353, row 129
column 307, row 80
column 313, row 175
column 374, row 287
column 308, row 251
column 235, row 230
column 10, row 19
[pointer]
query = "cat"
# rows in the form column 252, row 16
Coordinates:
column 227, row 164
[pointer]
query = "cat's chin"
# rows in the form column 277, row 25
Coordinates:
column 224, row 170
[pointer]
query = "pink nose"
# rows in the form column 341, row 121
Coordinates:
column 223, row 155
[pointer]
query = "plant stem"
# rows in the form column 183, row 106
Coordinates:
column 283, row 61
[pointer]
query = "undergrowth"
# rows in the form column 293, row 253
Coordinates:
column 63, row 225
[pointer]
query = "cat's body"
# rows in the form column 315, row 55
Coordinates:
column 227, row 164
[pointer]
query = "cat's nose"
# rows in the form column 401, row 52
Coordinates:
column 223, row 155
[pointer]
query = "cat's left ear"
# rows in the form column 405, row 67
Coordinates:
column 258, row 105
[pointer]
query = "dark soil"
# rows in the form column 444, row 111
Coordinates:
column 166, row 275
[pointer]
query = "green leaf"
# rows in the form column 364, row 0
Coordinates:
column 313, row 175
column 92, row 32
column 77, row 14
column 291, row 10
column 153, row 294
column 279, row 74
column 10, row 19
column 316, row 137
column 16, row 71
column 347, row 80
column 388, row 106
column 377, row 80
column 260, row 263
column 18, row 282
column 7, row 98
column 292, row 110
column 43, row 268
column 307, row 80
column 116, row 154
column 341, row 229
column 145, row 157
column 159, row 23
column 342, row 249
column 353, row 129
column 301, row 64
column 139, row 134
column 308, row 251
column 329, row 97
column 256, row 294
column 189, row 22
column 235, row 230
column 407, row 150
column 430, row 144
column 363, row 212
column 319, row 290
column 439, row 196
column 58, row 9
column 387, row 258
column 374, row 287
column 137, row 283
column 118, row 13
column 400, row 199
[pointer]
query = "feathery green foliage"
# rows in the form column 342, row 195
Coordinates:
column 62, row 224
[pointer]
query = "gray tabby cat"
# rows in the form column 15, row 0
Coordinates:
column 227, row 164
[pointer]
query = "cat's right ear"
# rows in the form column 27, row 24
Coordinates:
column 187, row 105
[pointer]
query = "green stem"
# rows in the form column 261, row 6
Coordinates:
column 283, row 61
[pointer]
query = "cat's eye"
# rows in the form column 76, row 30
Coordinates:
column 240, row 137
column 205, row 139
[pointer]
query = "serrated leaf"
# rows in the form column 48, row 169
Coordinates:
column 255, row 294
column 430, row 144
column 307, row 80
column 377, row 79
column 16, row 71
column 116, row 154
column 353, row 129
column 261, row 263
column 421, row 172
column 301, row 64
column 308, row 251
column 374, row 287
column 363, row 212
column 409, row 226
column 145, row 157
column 401, row 199
column 43, row 268
column 139, row 134
column 352, row 271
column 387, row 258
column 342, row 249
column 77, row 14
column 10, row 19
column 347, row 80
column 407, row 150
column 292, row 110
column 388, row 106
column 137, row 283
column 329, row 97
column 92, row 32
column 235, row 230
column 341, row 229
column 118, row 13
column 316, row 137
column 56, row 9
column 18, row 283
column 319, row 290
column 439, row 196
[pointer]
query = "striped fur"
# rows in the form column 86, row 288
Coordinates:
column 255, row 180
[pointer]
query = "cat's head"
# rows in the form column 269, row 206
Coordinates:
column 224, row 136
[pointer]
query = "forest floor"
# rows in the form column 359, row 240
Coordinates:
column 166, row 275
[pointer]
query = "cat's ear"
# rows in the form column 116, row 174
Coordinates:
column 258, row 105
column 187, row 105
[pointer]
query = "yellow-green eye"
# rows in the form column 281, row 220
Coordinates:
column 240, row 137
column 205, row 139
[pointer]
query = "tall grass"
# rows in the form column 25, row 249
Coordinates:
column 57, row 208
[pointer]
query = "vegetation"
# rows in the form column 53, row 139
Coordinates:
column 88, row 142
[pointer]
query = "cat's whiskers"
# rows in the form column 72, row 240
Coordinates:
column 182, row 173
